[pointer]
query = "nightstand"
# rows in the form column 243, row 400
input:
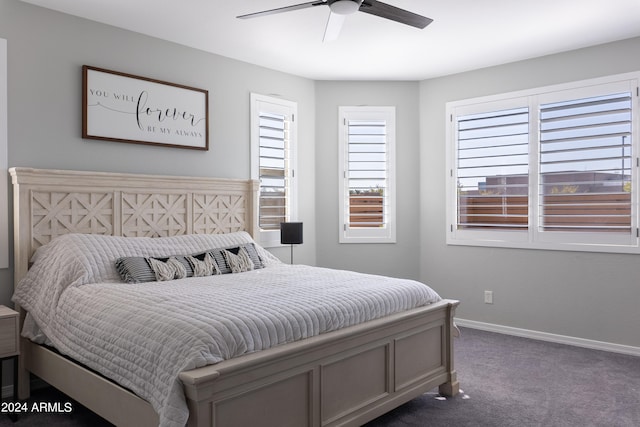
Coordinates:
column 9, row 349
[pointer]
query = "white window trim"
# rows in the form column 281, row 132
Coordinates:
column 4, row 161
column 271, row 238
column 385, row 234
column 533, row 239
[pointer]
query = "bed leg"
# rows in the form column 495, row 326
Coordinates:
column 450, row 388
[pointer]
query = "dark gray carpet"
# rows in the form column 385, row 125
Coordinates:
column 511, row 381
column 505, row 381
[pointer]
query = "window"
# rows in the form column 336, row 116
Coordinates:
column 367, row 176
column 273, row 141
column 493, row 165
column 552, row 168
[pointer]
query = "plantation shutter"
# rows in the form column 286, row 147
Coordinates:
column 367, row 172
column 585, row 164
column 367, row 176
column 493, row 169
column 274, row 166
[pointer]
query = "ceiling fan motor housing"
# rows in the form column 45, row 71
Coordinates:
column 344, row 7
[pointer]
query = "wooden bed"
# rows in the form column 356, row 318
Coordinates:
column 341, row 378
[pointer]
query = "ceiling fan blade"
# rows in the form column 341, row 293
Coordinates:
column 383, row 10
column 334, row 25
column 283, row 9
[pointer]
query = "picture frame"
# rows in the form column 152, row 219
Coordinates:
column 126, row 108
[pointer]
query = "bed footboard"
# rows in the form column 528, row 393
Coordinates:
column 343, row 378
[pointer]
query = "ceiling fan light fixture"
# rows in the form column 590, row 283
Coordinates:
column 344, row 7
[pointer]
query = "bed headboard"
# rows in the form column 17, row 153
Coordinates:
column 49, row 203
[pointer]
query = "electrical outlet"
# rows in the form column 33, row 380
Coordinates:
column 488, row 297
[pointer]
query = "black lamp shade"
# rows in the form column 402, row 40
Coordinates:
column 291, row 233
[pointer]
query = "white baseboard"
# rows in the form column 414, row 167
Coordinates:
column 545, row 336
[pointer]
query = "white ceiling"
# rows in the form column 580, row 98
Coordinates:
column 465, row 34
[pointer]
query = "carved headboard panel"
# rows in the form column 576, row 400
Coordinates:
column 49, row 203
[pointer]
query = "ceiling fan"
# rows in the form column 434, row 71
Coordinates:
column 339, row 9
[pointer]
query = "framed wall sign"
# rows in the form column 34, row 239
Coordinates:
column 126, row 108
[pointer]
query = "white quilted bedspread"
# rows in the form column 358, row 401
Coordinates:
column 143, row 335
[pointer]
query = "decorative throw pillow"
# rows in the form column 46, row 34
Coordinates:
column 135, row 270
column 203, row 265
column 167, row 268
column 240, row 262
column 221, row 260
column 139, row 269
column 253, row 254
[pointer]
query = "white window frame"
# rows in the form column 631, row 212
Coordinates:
column 387, row 233
column 534, row 238
column 269, row 104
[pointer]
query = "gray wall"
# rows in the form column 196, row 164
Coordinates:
column 396, row 259
column 588, row 295
column 46, row 51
